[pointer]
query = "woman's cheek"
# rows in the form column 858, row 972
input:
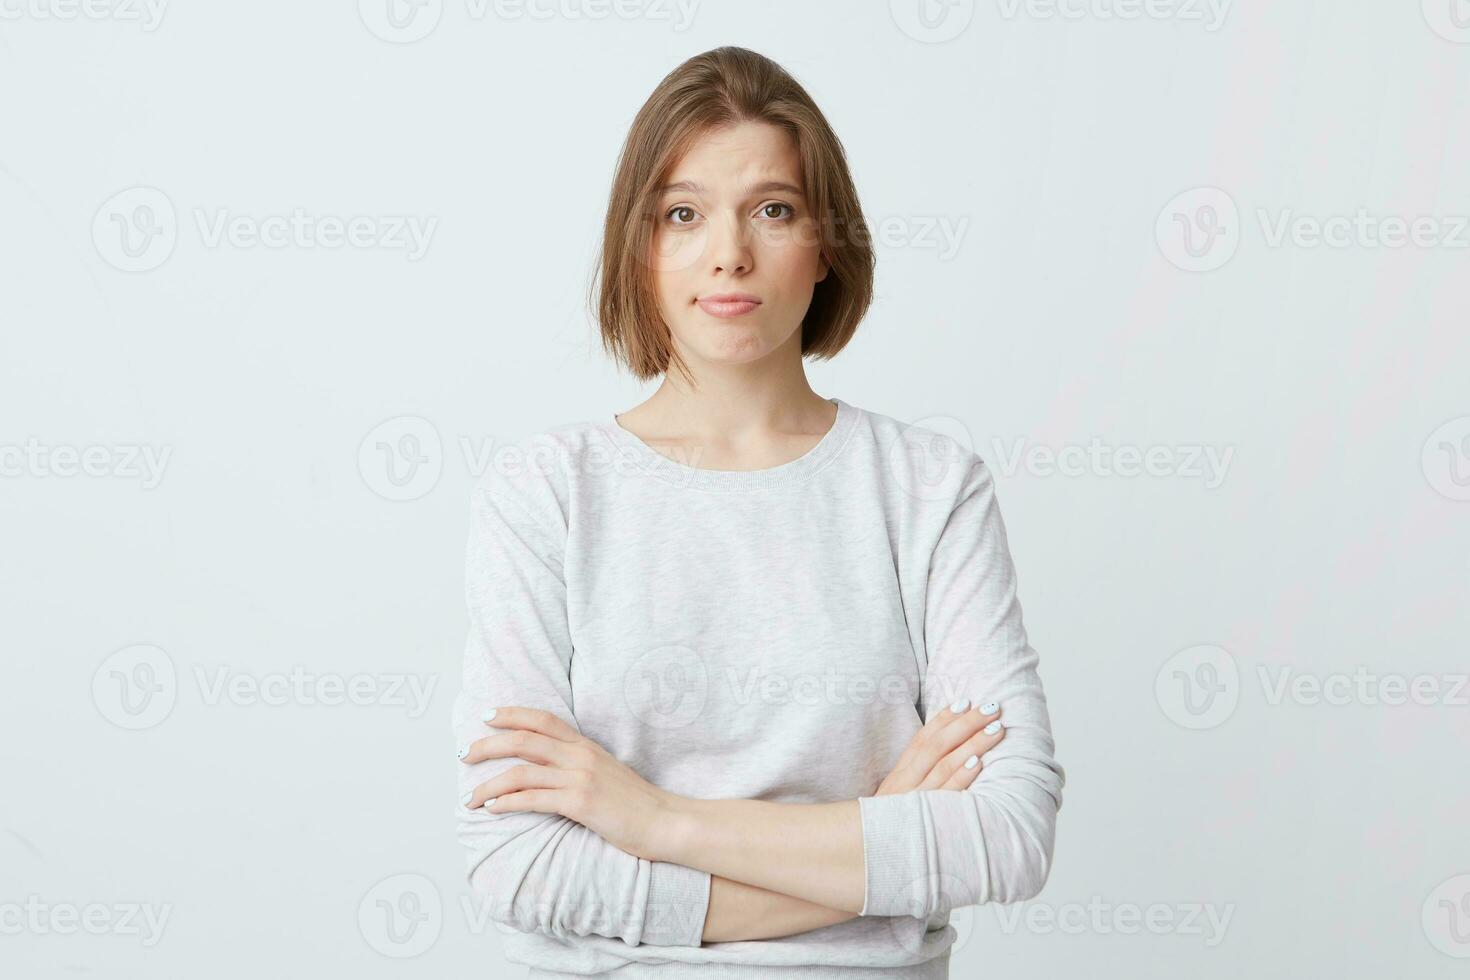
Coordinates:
column 796, row 261
column 677, row 252
column 781, row 237
column 800, row 248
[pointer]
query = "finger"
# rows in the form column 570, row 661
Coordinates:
column 959, row 730
column 531, row 800
column 531, row 719
column 955, row 762
column 966, row 774
column 951, row 726
column 514, row 780
column 928, row 744
column 963, row 725
column 520, row 744
column 944, row 716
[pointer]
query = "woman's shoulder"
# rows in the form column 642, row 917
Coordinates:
column 930, row 461
column 538, row 468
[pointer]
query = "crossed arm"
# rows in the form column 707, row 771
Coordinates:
column 741, row 911
column 646, row 866
column 776, row 869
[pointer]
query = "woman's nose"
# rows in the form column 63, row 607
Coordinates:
column 729, row 247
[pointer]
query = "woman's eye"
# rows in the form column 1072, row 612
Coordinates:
column 683, row 214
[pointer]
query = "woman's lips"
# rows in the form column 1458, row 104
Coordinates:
column 715, row 306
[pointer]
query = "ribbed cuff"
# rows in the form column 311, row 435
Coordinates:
column 678, row 902
column 897, row 842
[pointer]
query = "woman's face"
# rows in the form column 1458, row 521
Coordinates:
column 732, row 221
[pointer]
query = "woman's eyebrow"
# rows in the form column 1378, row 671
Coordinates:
column 769, row 186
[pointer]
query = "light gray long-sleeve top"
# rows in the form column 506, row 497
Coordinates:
column 775, row 634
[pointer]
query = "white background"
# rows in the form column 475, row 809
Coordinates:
column 1064, row 310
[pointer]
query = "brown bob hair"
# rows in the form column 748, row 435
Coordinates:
column 725, row 86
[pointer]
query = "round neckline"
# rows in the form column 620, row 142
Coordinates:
column 784, row 474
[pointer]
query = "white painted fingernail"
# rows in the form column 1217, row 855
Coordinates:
column 959, row 705
column 989, row 708
column 488, row 716
column 487, row 803
column 993, row 727
column 972, row 762
column 464, row 750
column 465, row 799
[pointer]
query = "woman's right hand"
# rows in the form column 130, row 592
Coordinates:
column 937, row 754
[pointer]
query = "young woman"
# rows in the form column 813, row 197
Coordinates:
column 747, row 691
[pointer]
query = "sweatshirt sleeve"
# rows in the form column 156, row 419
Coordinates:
column 540, row 872
column 927, row 851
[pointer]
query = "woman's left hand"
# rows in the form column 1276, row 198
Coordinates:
column 572, row 776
